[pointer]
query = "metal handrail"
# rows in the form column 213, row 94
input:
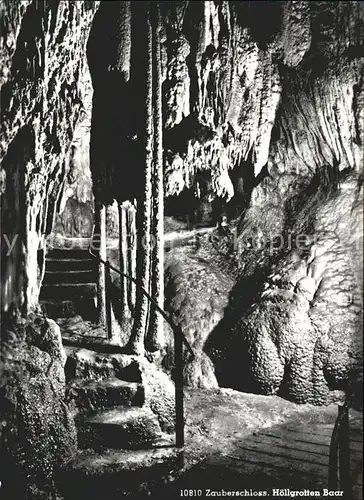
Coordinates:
column 176, row 329
column 179, row 340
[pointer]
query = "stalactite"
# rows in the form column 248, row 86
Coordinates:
column 176, row 88
column 122, row 65
column 155, row 338
column 124, row 40
column 136, row 342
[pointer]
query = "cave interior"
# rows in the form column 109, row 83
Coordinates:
column 181, row 192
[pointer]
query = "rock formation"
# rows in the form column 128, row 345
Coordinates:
column 43, row 68
column 298, row 331
column 262, row 117
column 37, row 432
column 42, row 52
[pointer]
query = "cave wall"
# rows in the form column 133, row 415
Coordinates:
column 234, row 73
column 42, row 51
column 265, row 102
column 74, row 218
column 294, row 323
column 297, row 158
column 299, row 330
column 246, row 91
column 296, row 66
column 43, row 64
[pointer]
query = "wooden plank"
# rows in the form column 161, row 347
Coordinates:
column 355, row 433
column 306, row 437
column 273, row 460
column 267, row 462
column 278, row 475
column 325, row 429
column 356, row 470
column 286, row 442
column 295, row 436
column 286, row 452
column 305, row 443
column 296, row 449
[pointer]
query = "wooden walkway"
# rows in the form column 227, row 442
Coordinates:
column 298, row 454
column 290, row 457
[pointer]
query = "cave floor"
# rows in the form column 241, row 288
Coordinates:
column 238, row 442
column 245, row 445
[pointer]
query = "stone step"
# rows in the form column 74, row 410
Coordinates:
column 68, row 291
column 94, row 339
column 56, row 309
column 118, row 473
column 59, row 309
column 68, row 253
column 119, row 427
column 67, row 264
column 69, row 276
column 84, row 363
column 86, row 395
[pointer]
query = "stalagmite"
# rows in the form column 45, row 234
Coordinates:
column 136, row 343
column 155, row 338
column 123, row 55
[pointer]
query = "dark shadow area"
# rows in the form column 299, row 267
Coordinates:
column 115, row 153
column 263, row 19
column 176, row 139
column 225, row 344
column 244, row 181
column 13, row 222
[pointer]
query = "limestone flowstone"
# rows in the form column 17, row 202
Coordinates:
column 37, row 431
column 300, row 333
column 196, row 293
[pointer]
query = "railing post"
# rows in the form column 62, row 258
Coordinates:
column 108, row 300
column 333, row 453
column 344, row 452
column 178, row 363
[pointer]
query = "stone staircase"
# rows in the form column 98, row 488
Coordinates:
column 125, row 436
column 69, row 285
